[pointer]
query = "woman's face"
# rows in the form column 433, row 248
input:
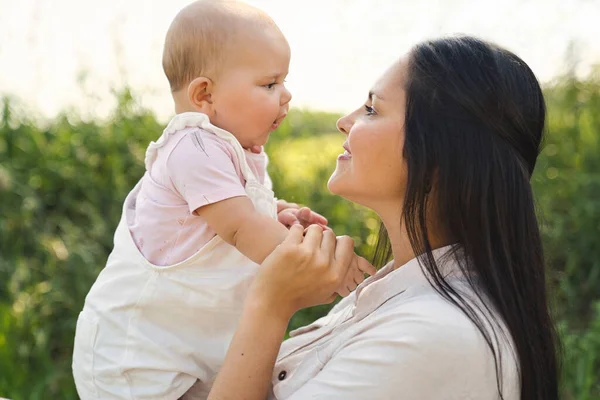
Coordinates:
column 372, row 171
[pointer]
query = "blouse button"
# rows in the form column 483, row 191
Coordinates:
column 282, row 375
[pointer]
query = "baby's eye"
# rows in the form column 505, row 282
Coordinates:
column 370, row 110
column 270, row 85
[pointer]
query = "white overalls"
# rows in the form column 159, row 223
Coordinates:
column 149, row 332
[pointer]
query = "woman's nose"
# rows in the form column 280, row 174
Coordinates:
column 344, row 124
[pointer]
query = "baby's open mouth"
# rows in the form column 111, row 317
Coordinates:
column 278, row 121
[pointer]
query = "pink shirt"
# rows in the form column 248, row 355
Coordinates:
column 193, row 169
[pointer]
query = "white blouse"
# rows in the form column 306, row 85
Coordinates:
column 395, row 337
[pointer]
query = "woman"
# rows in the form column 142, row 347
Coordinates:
column 443, row 150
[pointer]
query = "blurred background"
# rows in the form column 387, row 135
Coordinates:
column 82, row 93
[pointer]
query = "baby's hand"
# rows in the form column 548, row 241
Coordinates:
column 291, row 214
column 355, row 275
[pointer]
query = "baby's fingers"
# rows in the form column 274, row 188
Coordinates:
column 309, row 217
column 287, row 218
column 317, row 218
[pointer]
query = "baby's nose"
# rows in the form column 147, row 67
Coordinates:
column 286, row 96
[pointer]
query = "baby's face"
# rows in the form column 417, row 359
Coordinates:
column 250, row 99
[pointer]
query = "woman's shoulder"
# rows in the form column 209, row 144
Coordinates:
column 415, row 343
column 405, row 301
column 430, row 333
column 422, row 312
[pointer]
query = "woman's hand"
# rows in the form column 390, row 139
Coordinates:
column 356, row 273
column 304, row 271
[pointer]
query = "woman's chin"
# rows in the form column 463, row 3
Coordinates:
column 342, row 184
column 331, row 186
column 336, row 184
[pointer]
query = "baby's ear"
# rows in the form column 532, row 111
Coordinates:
column 200, row 95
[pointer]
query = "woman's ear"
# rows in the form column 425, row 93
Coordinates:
column 200, row 95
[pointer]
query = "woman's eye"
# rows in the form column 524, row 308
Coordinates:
column 370, row 110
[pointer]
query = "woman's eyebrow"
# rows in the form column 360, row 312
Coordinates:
column 373, row 94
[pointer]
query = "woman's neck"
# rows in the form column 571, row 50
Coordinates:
column 401, row 248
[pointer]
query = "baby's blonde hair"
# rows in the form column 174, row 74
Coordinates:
column 200, row 39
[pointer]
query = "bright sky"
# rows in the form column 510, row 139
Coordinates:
column 70, row 53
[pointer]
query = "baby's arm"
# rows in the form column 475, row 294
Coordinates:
column 238, row 223
column 256, row 235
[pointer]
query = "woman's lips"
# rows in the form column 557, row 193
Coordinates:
column 346, row 155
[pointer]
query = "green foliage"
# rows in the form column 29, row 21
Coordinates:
column 62, row 184
column 582, row 359
column 60, row 189
column 567, row 184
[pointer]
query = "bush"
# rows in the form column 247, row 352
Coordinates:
column 582, row 359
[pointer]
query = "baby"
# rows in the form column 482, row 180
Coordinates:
column 160, row 316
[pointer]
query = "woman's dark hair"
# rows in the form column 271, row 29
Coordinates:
column 474, row 125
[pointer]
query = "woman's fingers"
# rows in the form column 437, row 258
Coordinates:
column 317, row 264
column 331, row 298
column 328, row 245
column 354, row 275
column 344, row 251
column 295, row 236
column 313, row 237
column 359, row 277
column 366, row 266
